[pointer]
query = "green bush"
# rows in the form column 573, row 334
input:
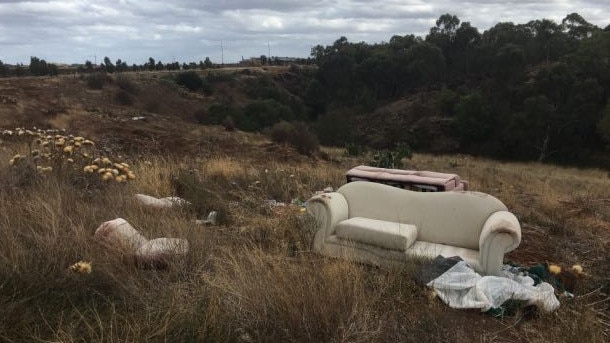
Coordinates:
column 190, row 80
column 354, row 149
column 217, row 112
column 391, row 158
column 295, row 134
column 474, row 118
column 263, row 88
column 334, row 128
column 229, row 123
column 265, row 113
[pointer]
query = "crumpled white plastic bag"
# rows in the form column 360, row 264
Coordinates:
column 462, row 287
column 166, row 202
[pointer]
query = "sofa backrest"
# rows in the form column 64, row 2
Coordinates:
column 440, row 181
column 452, row 218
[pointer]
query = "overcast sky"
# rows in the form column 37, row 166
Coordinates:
column 72, row 31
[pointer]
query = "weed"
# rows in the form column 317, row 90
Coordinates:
column 190, row 186
column 391, row 158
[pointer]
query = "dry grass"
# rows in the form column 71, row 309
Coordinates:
column 254, row 278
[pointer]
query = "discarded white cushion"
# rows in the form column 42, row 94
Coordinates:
column 381, row 233
column 166, row 202
column 158, row 251
column 120, row 234
column 212, row 219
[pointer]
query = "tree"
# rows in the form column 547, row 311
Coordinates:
column 402, row 43
column 474, row 119
column 549, row 41
column 466, row 39
column 38, row 67
column 577, row 27
column 53, row 70
column 108, row 66
column 88, row 66
column 445, row 30
column 532, row 131
column 151, row 64
column 207, row 63
column 3, row 69
column 509, row 62
column 121, row 66
column 603, row 127
column 426, row 63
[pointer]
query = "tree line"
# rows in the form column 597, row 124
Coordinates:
column 39, row 67
column 537, row 91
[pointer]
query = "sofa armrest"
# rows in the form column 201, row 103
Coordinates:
column 328, row 210
column 501, row 234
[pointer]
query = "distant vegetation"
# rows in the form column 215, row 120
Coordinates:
column 533, row 91
column 536, row 91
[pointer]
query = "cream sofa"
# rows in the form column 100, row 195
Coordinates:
column 384, row 225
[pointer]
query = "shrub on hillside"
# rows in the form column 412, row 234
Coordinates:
column 334, row 128
column 190, row 80
column 218, row 112
column 354, row 149
column 263, row 88
column 202, row 116
column 191, row 187
column 97, row 80
column 295, row 134
column 391, row 158
column 265, row 113
column 126, row 84
column 122, row 97
column 229, row 123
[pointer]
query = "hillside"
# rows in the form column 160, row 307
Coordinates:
column 153, row 114
column 253, row 277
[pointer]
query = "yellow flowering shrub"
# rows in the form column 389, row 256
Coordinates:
column 56, row 151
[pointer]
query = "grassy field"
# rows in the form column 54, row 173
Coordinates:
column 253, row 278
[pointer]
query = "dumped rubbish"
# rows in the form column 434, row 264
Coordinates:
column 275, row 203
column 166, row 202
column 119, row 235
column 415, row 180
column 563, row 279
column 459, row 286
column 212, row 219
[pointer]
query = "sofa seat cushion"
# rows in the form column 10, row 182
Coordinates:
column 432, row 250
column 381, row 233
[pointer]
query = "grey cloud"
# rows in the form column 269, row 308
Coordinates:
column 185, row 30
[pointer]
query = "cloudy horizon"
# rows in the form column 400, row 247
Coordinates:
column 64, row 31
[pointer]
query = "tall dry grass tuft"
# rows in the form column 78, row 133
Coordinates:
column 267, row 298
